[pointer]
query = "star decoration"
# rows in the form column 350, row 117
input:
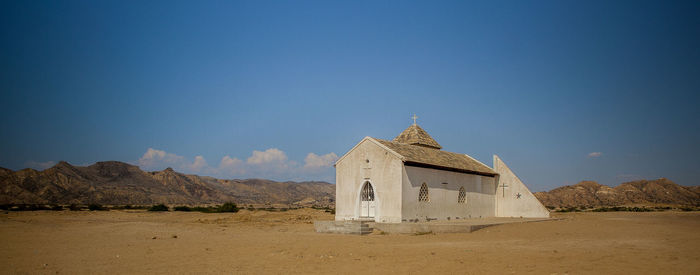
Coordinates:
column 517, row 196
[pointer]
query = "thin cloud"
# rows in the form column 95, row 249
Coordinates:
column 594, row 154
column 199, row 164
column 231, row 166
column 271, row 163
column 313, row 161
column 156, row 159
column 268, row 156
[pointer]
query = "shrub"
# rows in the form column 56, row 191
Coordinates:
column 182, row 208
column 75, row 207
column 639, row 209
column 204, row 209
column 228, row 207
column 57, row 208
column 158, row 207
column 96, row 207
column 569, row 209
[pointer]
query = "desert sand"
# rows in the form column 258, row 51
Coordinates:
column 253, row 242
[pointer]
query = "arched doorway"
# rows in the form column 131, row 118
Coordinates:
column 367, row 206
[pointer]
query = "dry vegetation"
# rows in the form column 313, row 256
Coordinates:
column 139, row 241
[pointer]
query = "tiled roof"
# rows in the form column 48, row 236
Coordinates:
column 430, row 158
column 415, row 135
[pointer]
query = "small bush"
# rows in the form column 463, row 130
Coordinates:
column 158, row 207
column 204, row 209
column 96, row 207
column 182, row 208
column 228, row 207
column 569, row 209
column 57, row 208
column 75, row 207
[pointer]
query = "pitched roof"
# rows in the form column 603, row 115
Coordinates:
column 437, row 159
column 415, row 135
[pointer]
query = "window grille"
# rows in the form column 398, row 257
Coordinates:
column 367, row 193
column 462, row 198
column 423, row 194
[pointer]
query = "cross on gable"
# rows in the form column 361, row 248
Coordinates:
column 414, row 117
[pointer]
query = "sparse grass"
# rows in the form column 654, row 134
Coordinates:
column 25, row 207
column 622, row 208
column 159, row 207
column 568, row 209
column 96, row 207
column 205, row 209
column 129, row 207
column 423, row 233
column 182, row 208
column 228, row 207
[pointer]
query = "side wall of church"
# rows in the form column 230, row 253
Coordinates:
column 443, row 198
column 383, row 171
column 513, row 198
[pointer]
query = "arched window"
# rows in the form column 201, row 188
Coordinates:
column 423, row 193
column 367, row 192
column 462, row 198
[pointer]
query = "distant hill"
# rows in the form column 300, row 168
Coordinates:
column 115, row 183
column 643, row 192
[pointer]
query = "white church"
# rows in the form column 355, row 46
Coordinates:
column 410, row 179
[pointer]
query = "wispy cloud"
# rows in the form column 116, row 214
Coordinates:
column 156, row 159
column 594, row 154
column 272, row 155
column 271, row 163
column 231, row 166
column 313, row 161
column 40, row 165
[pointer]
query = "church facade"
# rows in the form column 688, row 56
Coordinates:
column 410, row 179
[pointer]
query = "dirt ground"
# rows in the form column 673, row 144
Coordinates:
column 284, row 242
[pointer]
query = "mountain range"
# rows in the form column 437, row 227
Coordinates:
column 118, row 183
column 642, row 192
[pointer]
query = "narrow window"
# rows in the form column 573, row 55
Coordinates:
column 462, row 198
column 423, row 194
column 367, row 193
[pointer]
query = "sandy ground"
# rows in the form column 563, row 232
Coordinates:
column 264, row 242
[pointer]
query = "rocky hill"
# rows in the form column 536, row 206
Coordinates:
column 115, row 183
column 643, row 192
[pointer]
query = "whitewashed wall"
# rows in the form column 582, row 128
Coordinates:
column 384, row 173
column 443, row 203
column 507, row 201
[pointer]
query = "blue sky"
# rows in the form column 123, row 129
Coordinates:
column 562, row 91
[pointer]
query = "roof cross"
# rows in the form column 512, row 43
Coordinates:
column 414, row 118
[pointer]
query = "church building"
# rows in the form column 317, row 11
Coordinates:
column 411, row 179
